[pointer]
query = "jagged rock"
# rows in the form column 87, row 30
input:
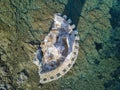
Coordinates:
column 63, row 1
column 4, row 70
column 22, row 77
column 3, row 88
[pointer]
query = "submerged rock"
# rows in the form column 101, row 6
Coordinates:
column 24, row 23
column 22, row 77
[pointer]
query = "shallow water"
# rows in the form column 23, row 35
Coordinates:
column 24, row 24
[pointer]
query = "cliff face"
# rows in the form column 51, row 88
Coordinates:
column 24, row 23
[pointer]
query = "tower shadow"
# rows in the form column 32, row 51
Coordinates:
column 73, row 10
